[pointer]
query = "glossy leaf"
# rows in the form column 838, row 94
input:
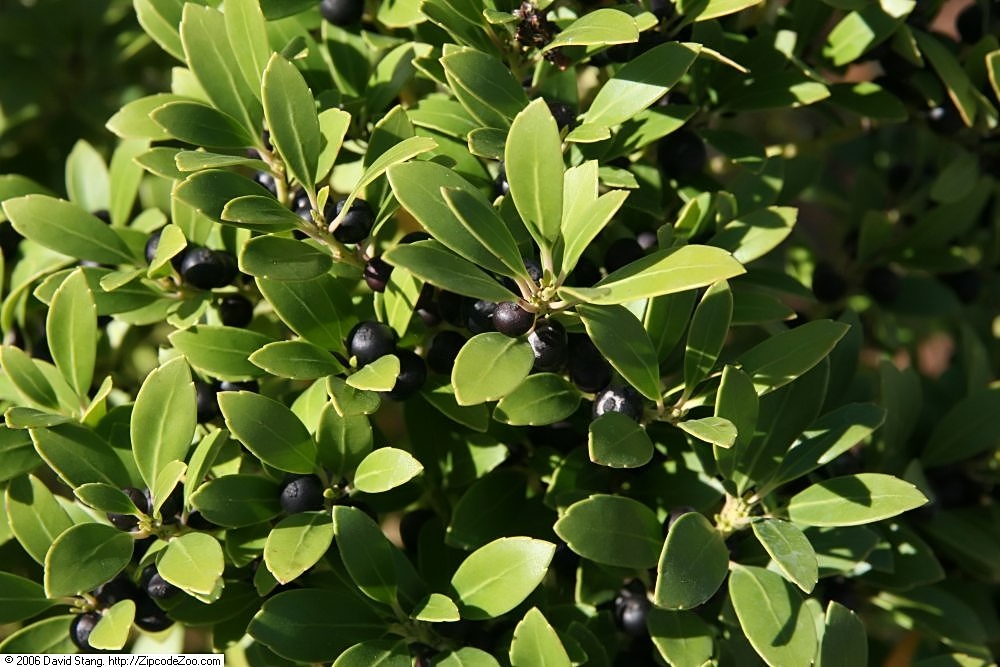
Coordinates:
column 233, row 501
column 27, row 378
column 79, row 455
column 497, row 577
column 489, row 366
column 317, row 309
column 481, row 220
column 707, row 333
column 296, row 360
column 772, row 616
column 367, row 554
column 112, row 631
column 297, row 543
column 84, row 557
column 106, row 498
column 201, row 125
column 247, row 33
column 584, row 213
column 291, row 117
column 385, row 469
column 220, row 352
column 790, row 550
column 379, row 375
column 269, row 430
column 279, row 258
column 535, row 642
column 50, row 635
column 543, row 398
column 853, row 500
column 790, row 354
column 133, row 120
column 343, row 441
column 380, row 652
column 163, row 419
column 435, row 264
column 693, row 563
column 485, row 87
column 436, row 608
column 36, row 518
column 681, row 637
column 194, row 563
column 702, row 10
column 533, row 162
column 260, row 213
column 601, row 26
column 623, row 341
column 21, row 598
column 845, row 640
column 617, row 441
column 716, row 431
column 208, row 192
column 612, row 530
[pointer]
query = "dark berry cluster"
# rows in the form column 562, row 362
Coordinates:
column 371, row 340
column 198, row 266
column 149, row 616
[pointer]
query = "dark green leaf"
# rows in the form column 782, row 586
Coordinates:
column 434, row 263
column 681, row 637
column 27, row 378
column 279, row 258
column 845, row 640
column 79, row 455
column 789, row 354
column 771, row 614
column 612, row 530
column 343, row 441
column 485, row 87
column 247, row 33
column 693, row 563
column 233, row 501
column 617, row 441
column 623, row 341
column 84, row 557
column 208, row 192
column 17, row 453
column 707, row 333
column 543, row 398
column 21, row 598
column 71, row 327
column 319, row 309
column 291, row 118
column 495, row 578
column 269, row 430
column 260, row 213
column 201, row 125
column 47, row 636
column 36, row 518
column 367, row 554
column 296, row 360
column 106, row 498
column 163, row 419
column 967, row 429
column 221, row 352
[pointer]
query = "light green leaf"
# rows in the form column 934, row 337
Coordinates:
column 771, row 614
column 845, row 638
column 707, row 333
column 543, row 398
column 385, row 469
column 36, row 518
column 485, row 86
column 133, row 121
column 111, row 632
column 790, row 354
column 497, row 577
column 617, row 441
column 201, row 125
column 280, row 258
column 297, row 543
column 716, row 431
column 21, row 598
column 193, row 562
column 319, row 309
column 376, row 653
column 247, row 33
column 535, row 642
column 755, row 234
column 260, row 213
column 693, row 563
column 47, row 636
column 489, row 366
column 333, row 126
column 436, row 608
column 703, row 10
column 291, row 117
column 601, row 26
column 234, row 501
column 79, row 455
column 163, row 419
column 221, row 352
column 791, row 551
column 681, row 637
column 87, row 179
column 379, row 375
column 853, row 499
column 296, row 360
column 27, row 378
column 84, row 557
column 534, row 165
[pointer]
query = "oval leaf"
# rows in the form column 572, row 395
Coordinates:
column 623, row 341
column 790, row 549
column 367, row 553
column 617, row 441
column 71, row 327
column 771, row 614
column 543, row 398
column 489, row 366
column 297, row 543
column 234, row 501
column 854, row 499
column 84, row 557
column 612, row 530
column 385, row 469
column 270, row 430
column 497, row 577
column 535, row 642
column 163, row 419
column 693, row 564
column 283, row 259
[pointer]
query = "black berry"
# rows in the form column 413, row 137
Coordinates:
column 453, row 307
column 500, row 185
column 630, row 612
column 376, row 274
column 681, row 154
column 621, row 252
column 266, row 181
column 356, row 225
column 156, row 586
column 534, row 268
column 970, row 24
column 197, row 521
column 443, row 349
column 118, row 589
column 512, row 320
column 548, row 342
column 81, row 627
column 369, row 341
column 883, row 284
column 235, row 310
column 205, row 268
column 206, row 402
column 588, row 369
column 153, row 244
column 301, row 493
column 245, row 385
column 827, row 284
column 584, row 274
column 127, row 522
column 150, row 617
column 564, row 114
column 625, row 400
column 413, row 237
column 412, row 374
column 172, row 507
column 480, row 316
column 342, row 13
column 647, row 240
column 302, row 206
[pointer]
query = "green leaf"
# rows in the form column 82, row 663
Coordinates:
column 279, row 258
column 967, row 429
column 47, row 636
column 269, row 430
column 106, row 498
column 755, row 234
column 111, row 632
column 617, row 441
column 853, row 499
column 681, row 637
column 436, row 608
column 845, row 638
column 208, row 192
column 233, row 501
column 21, row 598
column 166, row 481
column 289, row 625
column 247, row 33
column 490, row 507
column 533, row 162
column 296, row 360
column 318, row 309
column 453, row 222
column 485, row 86
column 163, row 419
column 612, row 530
column 489, row 366
column 85, row 556
column 367, row 553
column 134, row 120
column 17, row 452
column 87, row 180
column 703, row 10
column 860, row 30
column 662, row 272
column 639, row 83
column 468, row 656
column 221, row 352
column 202, row 459
column 441, row 394
column 960, row 88
column 343, row 441
column 398, row 153
column 36, row 518
column 402, row 293
column 194, row 563
column 601, row 26
column 870, row 100
column 693, row 563
column 666, row 319
column 262, row 214
column 543, row 398
column 791, row 551
column 535, row 642
column 771, row 614
column 291, row 117
column 434, row 263
column 385, row 469
column 214, row 64
column 333, row 126
column 707, row 333
column 79, row 455
column 376, row 653
column 379, row 375
column 584, row 213
column 497, row 577
column 66, row 228
column 716, row 431
column 297, row 543
column 790, row 354
column 201, row 125
column 27, row 378
column 623, row 341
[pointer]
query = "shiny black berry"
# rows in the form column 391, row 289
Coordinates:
column 235, row 310
column 342, row 13
column 630, row 612
column 235, row 385
column 172, row 507
column 500, row 185
column 301, row 493
column 205, row 268
column 625, row 400
column 412, row 374
column 118, row 589
column 356, row 224
column 197, row 521
column 584, row 274
column 205, row 401
column 376, row 274
column 150, row 617
column 534, row 269
column 413, row 237
column 512, row 320
column 564, row 114
column 156, row 586
column 681, row 154
column 588, row 369
column 548, row 342
column 266, row 181
column 443, row 349
column 128, row 522
column 302, row 206
column 369, row 341
column 480, row 316
column 621, row 252
column 827, row 284
column 80, row 628
column 153, row 244
column 454, row 308
column 883, row 284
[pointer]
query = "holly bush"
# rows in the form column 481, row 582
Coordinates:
column 535, row 334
